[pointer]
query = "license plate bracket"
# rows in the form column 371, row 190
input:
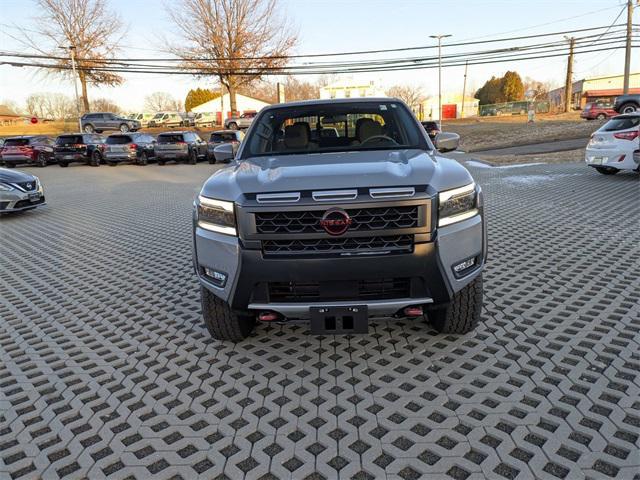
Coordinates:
column 340, row 320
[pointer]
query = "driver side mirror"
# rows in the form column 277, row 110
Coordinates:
column 225, row 152
column 447, row 141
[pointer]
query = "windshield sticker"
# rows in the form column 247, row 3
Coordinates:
column 383, row 107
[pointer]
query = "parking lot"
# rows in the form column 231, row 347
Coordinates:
column 109, row 372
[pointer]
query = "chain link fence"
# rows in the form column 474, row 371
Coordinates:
column 513, row 108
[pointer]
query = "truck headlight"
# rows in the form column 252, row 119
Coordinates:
column 457, row 204
column 216, row 215
column 5, row 188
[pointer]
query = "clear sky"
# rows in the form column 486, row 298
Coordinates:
column 339, row 25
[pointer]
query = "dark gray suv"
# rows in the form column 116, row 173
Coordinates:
column 100, row 122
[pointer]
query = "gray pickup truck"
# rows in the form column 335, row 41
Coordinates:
column 334, row 212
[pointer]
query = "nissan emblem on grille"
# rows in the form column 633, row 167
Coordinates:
column 335, row 221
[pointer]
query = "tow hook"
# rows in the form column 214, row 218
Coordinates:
column 413, row 311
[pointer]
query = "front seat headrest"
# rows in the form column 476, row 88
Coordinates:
column 368, row 128
column 296, row 136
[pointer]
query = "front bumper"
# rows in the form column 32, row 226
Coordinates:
column 71, row 157
column 429, row 270
column 16, row 200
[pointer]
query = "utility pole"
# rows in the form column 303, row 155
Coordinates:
column 464, row 87
column 440, row 37
column 72, row 54
column 627, row 50
column 568, row 83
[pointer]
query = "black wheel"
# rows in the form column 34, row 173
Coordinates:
column 88, row 128
column 95, row 159
column 42, row 159
column 124, row 128
column 193, row 157
column 112, row 164
column 160, row 162
column 212, row 159
column 462, row 315
column 143, row 160
column 601, row 116
column 233, row 126
column 11, row 165
column 222, row 322
column 63, row 164
column 628, row 107
column 607, row 171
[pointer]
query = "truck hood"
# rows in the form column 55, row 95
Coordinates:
column 327, row 171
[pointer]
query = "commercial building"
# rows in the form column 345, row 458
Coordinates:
column 220, row 104
column 351, row 89
column 453, row 106
column 9, row 117
column 598, row 89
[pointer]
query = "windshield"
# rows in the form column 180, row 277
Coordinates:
column 334, row 127
column 158, row 115
column 621, row 123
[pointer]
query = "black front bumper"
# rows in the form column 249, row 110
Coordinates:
column 421, row 268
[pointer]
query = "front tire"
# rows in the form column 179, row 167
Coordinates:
column 143, row 159
column 233, row 126
column 607, row 171
column 628, row 107
column 42, row 160
column 95, row 159
column 89, row 128
column 462, row 315
column 63, row 164
column 601, row 116
column 222, row 322
column 124, row 128
column 193, row 157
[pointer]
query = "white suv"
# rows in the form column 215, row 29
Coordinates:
column 614, row 146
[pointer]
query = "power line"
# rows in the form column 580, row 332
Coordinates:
column 365, row 52
column 312, row 72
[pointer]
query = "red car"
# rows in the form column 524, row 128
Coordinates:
column 31, row 150
column 599, row 111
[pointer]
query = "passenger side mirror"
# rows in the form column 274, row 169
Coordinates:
column 447, row 141
column 224, row 152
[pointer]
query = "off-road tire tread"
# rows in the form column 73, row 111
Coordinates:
column 462, row 315
column 222, row 322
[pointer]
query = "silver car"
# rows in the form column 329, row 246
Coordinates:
column 242, row 121
column 19, row 191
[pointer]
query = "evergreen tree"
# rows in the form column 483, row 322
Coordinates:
column 198, row 97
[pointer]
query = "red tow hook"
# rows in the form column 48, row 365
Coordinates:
column 413, row 312
column 268, row 316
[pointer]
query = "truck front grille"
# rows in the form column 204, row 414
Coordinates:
column 363, row 219
column 378, row 289
column 339, row 246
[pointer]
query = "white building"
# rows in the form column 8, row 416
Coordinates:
column 452, row 107
column 351, row 89
column 244, row 104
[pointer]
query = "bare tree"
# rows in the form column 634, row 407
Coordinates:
column 410, row 94
column 86, row 25
column 236, row 41
column 104, row 105
column 294, row 89
column 539, row 90
column 50, row 105
column 161, row 101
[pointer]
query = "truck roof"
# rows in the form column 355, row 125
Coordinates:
column 319, row 101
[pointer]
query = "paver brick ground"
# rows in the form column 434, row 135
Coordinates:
column 107, row 371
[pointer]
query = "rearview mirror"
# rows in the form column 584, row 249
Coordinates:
column 447, row 141
column 225, row 152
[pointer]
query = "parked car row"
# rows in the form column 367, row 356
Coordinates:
column 132, row 147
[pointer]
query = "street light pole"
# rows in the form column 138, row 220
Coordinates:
column 75, row 83
column 440, row 37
